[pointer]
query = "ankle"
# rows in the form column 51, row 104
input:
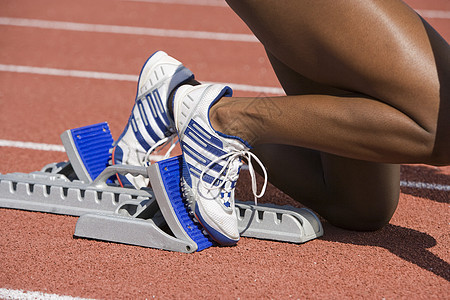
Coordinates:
column 170, row 99
column 229, row 116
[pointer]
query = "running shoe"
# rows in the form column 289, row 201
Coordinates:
column 149, row 125
column 211, row 161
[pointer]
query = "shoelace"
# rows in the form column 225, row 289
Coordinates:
column 232, row 172
column 163, row 142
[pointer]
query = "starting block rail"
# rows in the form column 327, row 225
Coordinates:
column 155, row 217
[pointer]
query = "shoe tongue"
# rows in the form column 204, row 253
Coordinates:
column 234, row 167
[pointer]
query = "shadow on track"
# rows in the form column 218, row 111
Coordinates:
column 408, row 244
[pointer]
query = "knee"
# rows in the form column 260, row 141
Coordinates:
column 355, row 220
column 435, row 149
column 365, row 214
column 361, row 222
column 434, row 138
column 440, row 155
column 441, row 158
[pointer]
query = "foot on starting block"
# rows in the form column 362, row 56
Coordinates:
column 177, row 230
column 155, row 217
column 88, row 151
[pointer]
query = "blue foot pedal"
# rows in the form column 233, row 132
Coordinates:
column 88, row 149
column 161, row 221
column 165, row 179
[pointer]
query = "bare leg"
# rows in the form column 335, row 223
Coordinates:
column 349, row 193
column 355, row 95
column 352, row 194
column 398, row 111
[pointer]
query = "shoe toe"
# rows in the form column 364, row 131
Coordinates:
column 221, row 225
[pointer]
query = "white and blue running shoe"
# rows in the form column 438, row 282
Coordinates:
column 149, row 125
column 211, row 161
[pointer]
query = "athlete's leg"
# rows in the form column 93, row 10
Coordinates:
column 399, row 111
column 352, row 194
column 349, row 193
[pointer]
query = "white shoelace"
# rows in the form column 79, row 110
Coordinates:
column 232, row 172
column 163, row 142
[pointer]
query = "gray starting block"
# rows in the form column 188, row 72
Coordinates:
column 155, row 217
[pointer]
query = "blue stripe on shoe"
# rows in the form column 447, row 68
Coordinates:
column 205, row 144
column 205, row 135
column 153, row 107
column 160, row 106
column 118, row 155
column 208, row 178
column 138, row 135
column 147, row 125
column 200, row 158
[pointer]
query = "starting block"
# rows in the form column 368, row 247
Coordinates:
column 155, row 217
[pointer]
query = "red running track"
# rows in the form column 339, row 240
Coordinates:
column 408, row 259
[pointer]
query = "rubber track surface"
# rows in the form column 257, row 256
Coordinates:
column 408, row 259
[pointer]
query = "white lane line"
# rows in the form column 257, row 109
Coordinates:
column 434, row 14
column 173, row 33
column 425, row 185
column 84, row 27
column 20, row 294
column 431, row 14
column 122, row 77
column 262, row 90
column 32, row 146
column 218, row 3
column 67, row 73
column 426, row 13
column 59, row 148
